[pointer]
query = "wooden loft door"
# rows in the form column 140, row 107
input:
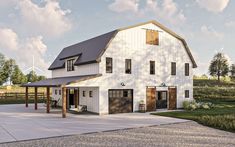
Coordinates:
column 172, row 98
column 151, row 99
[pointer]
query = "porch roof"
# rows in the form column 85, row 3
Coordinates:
column 58, row 82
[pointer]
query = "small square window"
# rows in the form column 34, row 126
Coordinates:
column 186, row 93
column 90, row 93
column 84, row 93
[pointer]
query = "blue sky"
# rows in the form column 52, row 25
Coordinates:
column 42, row 28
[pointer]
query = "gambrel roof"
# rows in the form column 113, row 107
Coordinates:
column 90, row 51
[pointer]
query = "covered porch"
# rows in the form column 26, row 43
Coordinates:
column 62, row 83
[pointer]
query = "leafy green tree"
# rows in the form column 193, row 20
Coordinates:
column 39, row 78
column 232, row 71
column 17, row 76
column 2, row 76
column 219, row 66
column 7, row 69
column 32, row 76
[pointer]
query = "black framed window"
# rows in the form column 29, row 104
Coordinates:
column 59, row 92
column 84, row 93
column 120, row 93
column 186, row 69
column 186, row 93
column 55, row 91
column 90, row 93
column 109, row 65
column 173, row 68
column 152, row 67
column 128, row 66
column 70, row 65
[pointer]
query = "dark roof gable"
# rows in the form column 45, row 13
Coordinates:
column 88, row 51
column 91, row 50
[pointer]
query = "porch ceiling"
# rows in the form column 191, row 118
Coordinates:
column 58, row 82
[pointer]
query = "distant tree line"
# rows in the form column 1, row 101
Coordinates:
column 9, row 70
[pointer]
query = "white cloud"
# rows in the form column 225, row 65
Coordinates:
column 24, row 49
column 124, row 6
column 9, row 39
column 210, row 32
column 230, row 24
column 167, row 10
column 213, row 5
column 48, row 20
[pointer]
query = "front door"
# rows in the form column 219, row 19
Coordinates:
column 172, row 98
column 161, row 99
column 150, row 99
column 71, row 97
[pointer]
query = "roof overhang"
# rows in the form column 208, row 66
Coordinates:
column 58, row 82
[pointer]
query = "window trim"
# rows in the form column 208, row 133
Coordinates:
column 126, row 66
column 70, row 65
column 111, row 66
column 186, row 94
column 186, row 69
column 173, row 68
column 152, row 70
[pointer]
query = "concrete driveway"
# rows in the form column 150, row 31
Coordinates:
column 19, row 123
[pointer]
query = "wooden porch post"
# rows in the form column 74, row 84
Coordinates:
column 26, row 96
column 76, row 98
column 64, row 105
column 48, row 99
column 36, row 99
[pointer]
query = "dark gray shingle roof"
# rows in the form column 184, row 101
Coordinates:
column 89, row 51
column 57, row 82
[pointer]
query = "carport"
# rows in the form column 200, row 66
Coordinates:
column 61, row 82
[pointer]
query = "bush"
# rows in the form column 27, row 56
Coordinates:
column 224, row 122
column 193, row 105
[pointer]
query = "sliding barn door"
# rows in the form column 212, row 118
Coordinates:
column 172, row 98
column 151, row 99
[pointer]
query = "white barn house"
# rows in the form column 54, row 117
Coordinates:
column 114, row 72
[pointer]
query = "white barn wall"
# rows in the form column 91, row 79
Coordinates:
column 131, row 44
column 80, row 70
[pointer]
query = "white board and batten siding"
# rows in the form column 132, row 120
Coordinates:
column 92, row 103
column 88, row 69
column 131, row 44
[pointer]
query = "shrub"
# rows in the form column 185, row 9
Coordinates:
column 193, row 105
column 225, row 122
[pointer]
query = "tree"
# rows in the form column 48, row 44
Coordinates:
column 17, row 76
column 219, row 66
column 232, row 71
column 2, row 76
column 39, row 78
column 32, row 76
column 8, row 69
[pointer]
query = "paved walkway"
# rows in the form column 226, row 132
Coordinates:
column 20, row 123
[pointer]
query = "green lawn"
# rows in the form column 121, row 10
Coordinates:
column 222, row 116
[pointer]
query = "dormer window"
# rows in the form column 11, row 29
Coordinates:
column 152, row 37
column 70, row 65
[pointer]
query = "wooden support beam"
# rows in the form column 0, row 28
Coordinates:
column 48, row 99
column 36, row 98
column 76, row 98
column 26, row 96
column 64, row 105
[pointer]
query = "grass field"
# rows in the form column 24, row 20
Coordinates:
column 222, row 116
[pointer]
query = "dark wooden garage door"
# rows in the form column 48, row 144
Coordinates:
column 120, row 101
